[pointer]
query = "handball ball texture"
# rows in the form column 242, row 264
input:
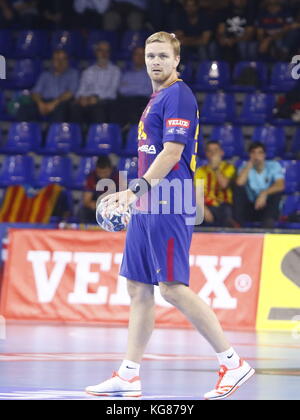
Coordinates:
column 115, row 222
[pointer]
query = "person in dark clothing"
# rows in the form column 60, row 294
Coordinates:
column 194, row 30
column 288, row 105
column 259, row 187
column 276, row 31
column 236, row 32
column 104, row 170
column 7, row 15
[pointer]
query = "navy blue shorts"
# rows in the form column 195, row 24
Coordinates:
column 157, row 249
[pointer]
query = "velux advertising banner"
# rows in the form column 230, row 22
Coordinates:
column 56, row 275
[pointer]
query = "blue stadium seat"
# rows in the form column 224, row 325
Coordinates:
column 212, row 75
column 290, row 204
column 86, row 166
column 231, row 139
column 6, row 43
column 295, row 147
column 292, row 175
column 96, row 36
column 31, row 44
column 218, row 108
column 281, row 78
column 70, row 41
column 62, row 138
column 186, row 73
column 24, row 74
column 102, row 139
column 131, row 146
column 130, row 165
column 16, row 170
column 261, row 71
column 130, row 41
column 22, row 137
column 54, row 170
column 273, row 138
column 257, row 108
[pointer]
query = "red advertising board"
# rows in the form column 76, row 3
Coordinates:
column 73, row 276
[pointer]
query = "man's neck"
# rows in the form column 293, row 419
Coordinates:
column 157, row 86
column 102, row 64
column 259, row 168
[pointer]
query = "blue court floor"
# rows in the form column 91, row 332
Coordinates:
column 39, row 361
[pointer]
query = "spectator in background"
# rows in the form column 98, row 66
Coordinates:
column 163, row 14
column 55, row 14
column 276, row 31
column 194, row 30
column 259, row 186
column 7, row 16
column 53, row 92
column 288, row 105
column 98, row 89
column 104, row 170
column 90, row 13
column 127, row 14
column 218, row 197
column 135, row 89
column 236, row 32
column 27, row 13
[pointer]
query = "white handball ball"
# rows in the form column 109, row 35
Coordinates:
column 116, row 221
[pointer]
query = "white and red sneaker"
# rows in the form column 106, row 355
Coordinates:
column 117, row 387
column 230, row 381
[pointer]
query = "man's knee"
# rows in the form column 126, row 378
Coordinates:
column 170, row 292
column 140, row 291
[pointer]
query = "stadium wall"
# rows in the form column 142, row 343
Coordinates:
column 250, row 280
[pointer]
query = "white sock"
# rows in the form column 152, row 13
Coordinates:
column 128, row 370
column 229, row 358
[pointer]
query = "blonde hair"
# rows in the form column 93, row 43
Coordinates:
column 165, row 37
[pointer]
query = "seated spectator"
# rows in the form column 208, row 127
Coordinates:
column 135, row 89
column 217, row 176
column 55, row 14
column 53, row 92
column 27, row 13
column 276, row 31
column 259, row 186
column 90, row 13
column 194, row 29
column 288, row 105
column 98, row 89
column 163, row 14
column 7, row 16
column 126, row 14
column 104, row 170
column 236, row 32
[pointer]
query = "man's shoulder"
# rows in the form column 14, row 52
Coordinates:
column 272, row 165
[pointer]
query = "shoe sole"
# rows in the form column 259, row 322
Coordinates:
column 133, row 394
column 244, row 379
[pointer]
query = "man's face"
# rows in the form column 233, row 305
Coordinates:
column 102, row 51
column 104, row 172
column 60, row 61
column 257, row 156
column 213, row 150
column 160, row 61
column 239, row 3
column 138, row 57
column 190, row 6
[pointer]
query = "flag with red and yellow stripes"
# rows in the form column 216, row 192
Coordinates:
column 19, row 206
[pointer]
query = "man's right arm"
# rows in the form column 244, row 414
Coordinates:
column 242, row 177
